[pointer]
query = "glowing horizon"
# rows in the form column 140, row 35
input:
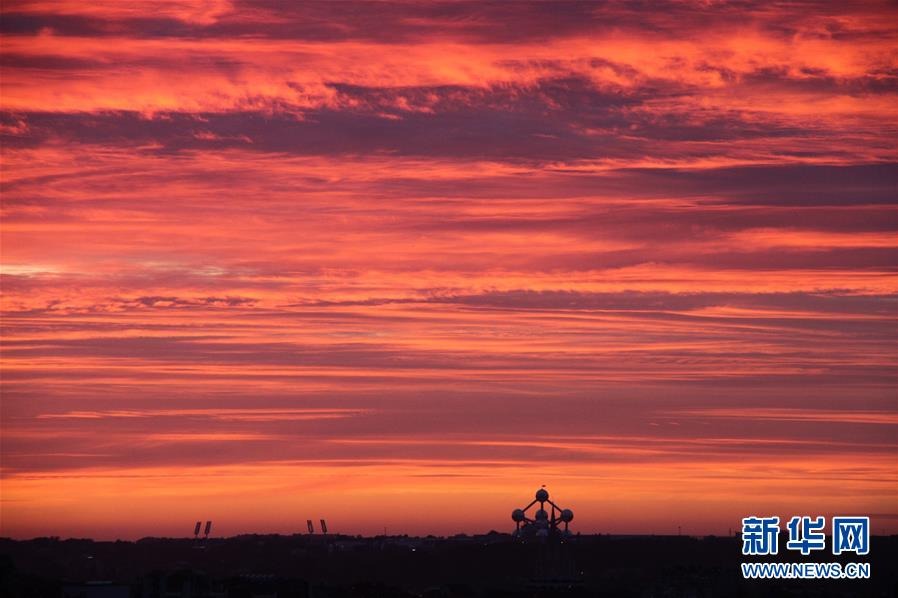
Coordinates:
column 263, row 264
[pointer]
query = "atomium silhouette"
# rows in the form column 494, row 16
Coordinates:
column 542, row 524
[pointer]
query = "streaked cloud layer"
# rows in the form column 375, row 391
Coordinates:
column 264, row 263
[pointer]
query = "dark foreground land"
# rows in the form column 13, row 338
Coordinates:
column 494, row 564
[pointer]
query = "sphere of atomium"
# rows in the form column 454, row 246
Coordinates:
column 567, row 515
column 517, row 515
column 541, row 515
column 542, row 495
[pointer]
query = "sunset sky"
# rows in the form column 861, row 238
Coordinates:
column 399, row 264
